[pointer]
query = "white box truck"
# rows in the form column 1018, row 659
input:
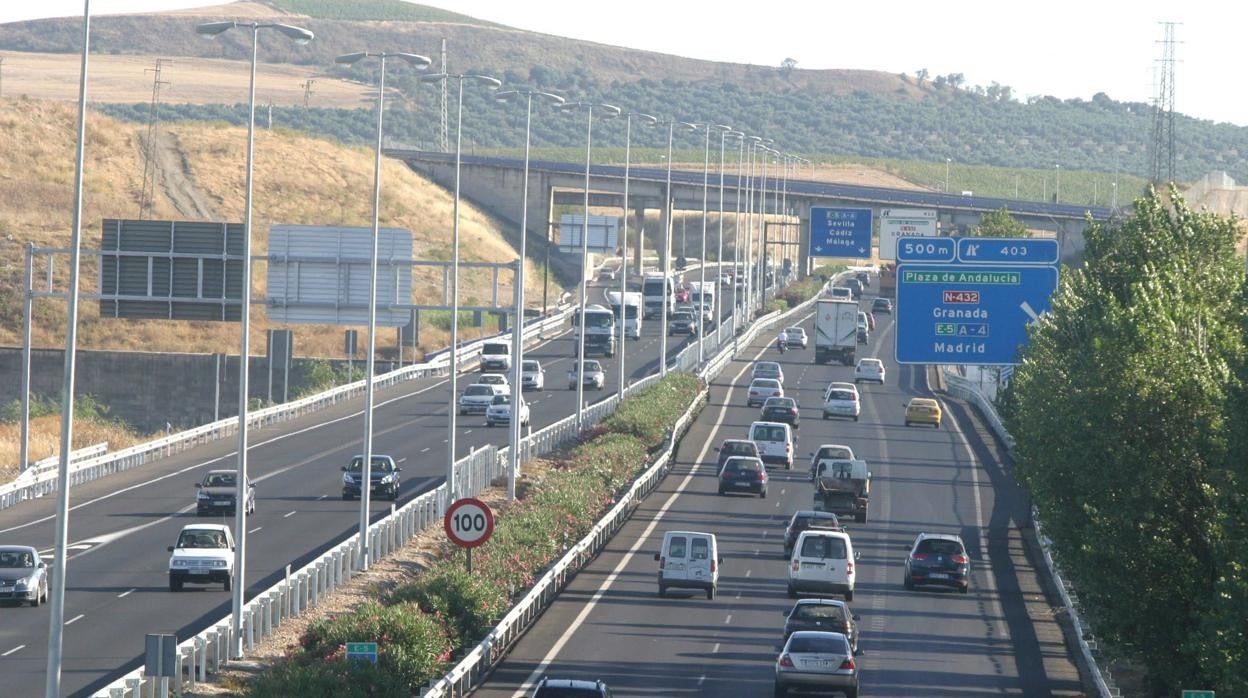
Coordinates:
column 836, row 330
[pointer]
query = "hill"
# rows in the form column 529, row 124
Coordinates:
column 299, row 179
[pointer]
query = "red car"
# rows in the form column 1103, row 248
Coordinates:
column 682, row 295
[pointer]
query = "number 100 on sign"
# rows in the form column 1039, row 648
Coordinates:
column 468, row 522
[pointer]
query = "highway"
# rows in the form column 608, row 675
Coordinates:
column 1000, row 639
column 120, row 526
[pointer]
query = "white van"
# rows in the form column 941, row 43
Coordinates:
column 774, row 441
column 822, row 562
column 689, row 560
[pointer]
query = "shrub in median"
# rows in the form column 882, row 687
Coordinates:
column 649, row 414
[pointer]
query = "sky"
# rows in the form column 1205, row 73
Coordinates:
column 1062, row 48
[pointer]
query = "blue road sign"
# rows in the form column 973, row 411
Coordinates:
column 362, row 651
column 923, row 249
column 1007, row 251
column 962, row 314
column 840, row 232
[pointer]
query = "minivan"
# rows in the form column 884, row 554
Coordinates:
column 689, row 560
column 822, row 562
column 774, row 441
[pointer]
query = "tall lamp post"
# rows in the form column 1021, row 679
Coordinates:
column 628, row 141
column 452, row 412
column 666, row 259
column 52, row 681
column 948, row 161
column 607, row 111
column 737, row 260
column 1057, row 191
column 719, row 237
column 299, row 36
column 420, row 62
column 517, row 329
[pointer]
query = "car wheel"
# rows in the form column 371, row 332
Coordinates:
column 788, row 466
column 851, row 692
column 781, row 691
column 346, row 497
column 965, row 588
column 662, row 591
column 721, row 493
column 792, row 593
column 908, row 583
column 175, row 585
column 907, row 423
column 228, row 584
column 710, row 593
column 860, row 518
column 825, row 415
column 849, row 595
column 855, row 418
column 34, row 603
column 763, row 494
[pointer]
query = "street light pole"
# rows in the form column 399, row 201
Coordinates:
column 420, row 62
column 608, row 111
column 453, row 411
column 628, row 140
column 666, row 261
column 948, row 161
column 719, row 241
column 706, row 180
column 1057, row 192
column 737, row 259
column 517, row 330
column 299, row 36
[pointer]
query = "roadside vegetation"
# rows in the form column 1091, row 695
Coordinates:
column 1130, row 411
column 92, row 425
column 423, row 625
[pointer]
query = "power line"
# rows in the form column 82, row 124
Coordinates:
column 148, row 191
column 1161, row 147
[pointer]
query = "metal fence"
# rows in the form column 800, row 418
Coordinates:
column 960, row 387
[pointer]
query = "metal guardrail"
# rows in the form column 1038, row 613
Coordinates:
column 959, row 386
column 51, row 462
column 40, row 484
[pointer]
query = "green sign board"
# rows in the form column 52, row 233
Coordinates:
column 1198, row 694
column 363, row 651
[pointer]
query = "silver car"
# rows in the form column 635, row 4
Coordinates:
column 595, row 377
column 532, row 375
column 218, row 491
column 476, row 398
column 814, row 660
column 23, row 576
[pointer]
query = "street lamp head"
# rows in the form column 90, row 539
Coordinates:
column 297, row 34
column 646, row 118
column 434, row 77
column 350, row 58
column 211, row 30
column 415, row 60
column 492, row 83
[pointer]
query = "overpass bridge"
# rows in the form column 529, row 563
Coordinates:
column 496, row 184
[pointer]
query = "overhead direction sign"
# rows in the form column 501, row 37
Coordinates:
column 927, row 250
column 897, row 223
column 963, row 314
column 1008, row 250
column 840, row 232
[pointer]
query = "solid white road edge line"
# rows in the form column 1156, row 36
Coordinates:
column 541, row 667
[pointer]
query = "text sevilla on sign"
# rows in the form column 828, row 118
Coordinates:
column 468, row 522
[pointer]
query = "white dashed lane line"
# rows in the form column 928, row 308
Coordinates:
column 15, row 649
column 75, row 619
column 425, row 449
column 124, row 594
column 288, row 514
column 257, row 528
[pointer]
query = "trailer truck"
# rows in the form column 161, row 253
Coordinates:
column 836, row 330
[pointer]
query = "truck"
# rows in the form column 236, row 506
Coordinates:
column 658, row 290
column 599, row 330
column 843, row 487
column 888, row 280
column 628, row 308
column 836, row 330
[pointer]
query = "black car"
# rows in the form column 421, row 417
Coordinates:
column 735, row 447
column 682, row 323
column 804, row 520
column 782, row 409
column 827, row 615
column 383, row 478
column 571, row 688
column 855, row 287
column 863, row 278
column 882, row 305
column 743, row 475
column 938, row 559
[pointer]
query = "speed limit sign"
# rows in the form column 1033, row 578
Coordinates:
column 468, row 522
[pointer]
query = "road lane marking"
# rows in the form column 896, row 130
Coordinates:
column 544, row 664
column 324, row 496
column 728, row 619
column 257, row 528
column 701, row 678
column 15, row 649
column 124, row 594
column 715, row 649
column 75, row 619
column 748, row 573
column 425, row 449
column 288, row 514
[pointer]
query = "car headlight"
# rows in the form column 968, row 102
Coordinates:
column 22, row 583
column 388, row 478
column 202, row 495
column 347, row 480
column 219, row 563
column 178, row 563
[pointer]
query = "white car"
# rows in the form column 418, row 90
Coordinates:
column 768, row 369
column 23, row 575
column 499, row 411
column 476, row 398
column 761, row 389
column 204, row 554
column 532, row 375
column 839, row 385
column 595, row 377
column 498, row 380
column 869, row 370
column 774, row 441
column 606, row 274
column 829, row 452
column 842, row 403
column 796, row 337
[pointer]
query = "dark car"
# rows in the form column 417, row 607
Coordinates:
column 735, row 447
column 882, row 305
column 938, row 559
column 855, row 287
column 864, row 278
column 804, row 520
column 218, row 492
column 743, row 475
column 829, row 615
column 682, row 323
column 571, row 688
column 781, row 409
column 383, row 478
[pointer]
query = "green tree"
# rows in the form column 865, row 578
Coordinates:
column 1129, row 418
column 1000, row 224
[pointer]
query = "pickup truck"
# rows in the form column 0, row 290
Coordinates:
column 843, row 487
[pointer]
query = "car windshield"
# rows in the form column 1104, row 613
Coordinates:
column 16, row 559
column 379, row 464
column 841, row 395
column 766, row 383
column 478, row 390
column 739, row 448
column 834, row 452
column 495, row 349
column 599, row 319
column 531, row 366
column 768, row 433
column 818, row 644
column 682, row 316
column 940, row 546
column 794, row 331
column 592, row 366
column 744, row 465
column 870, row 363
column 501, row 400
column 801, row 523
column 493, row 380
column 201, row 539
column 219, row 480
column 824, row 546
column 818, row 611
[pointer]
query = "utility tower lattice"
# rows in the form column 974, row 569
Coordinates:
column 1161, row 147
column 153, row 129
column 307, row 91
column 446, row 133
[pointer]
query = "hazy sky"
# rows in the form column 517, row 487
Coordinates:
column 1053, row 47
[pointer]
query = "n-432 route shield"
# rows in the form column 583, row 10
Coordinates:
column 960, row 314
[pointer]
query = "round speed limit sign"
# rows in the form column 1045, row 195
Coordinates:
column 468, row 522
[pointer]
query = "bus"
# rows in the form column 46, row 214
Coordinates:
column 631, row 312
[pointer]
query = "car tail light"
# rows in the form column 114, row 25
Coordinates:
column 848, row 664
column 797, row 565
column 786, row 661
column 776, row 394
column 849, row 568
column 662, row 562
column 919, row 556
column 961, row 559
column 759, row 476
column 788, row 447
column 713, row 561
